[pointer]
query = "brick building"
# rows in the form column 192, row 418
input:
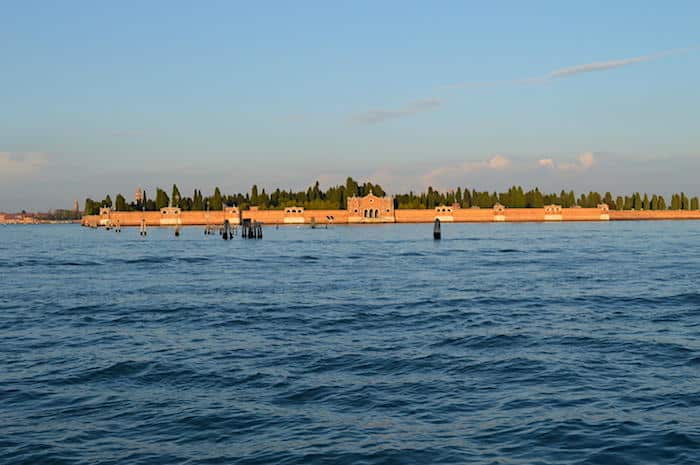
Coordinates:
column 371, row 209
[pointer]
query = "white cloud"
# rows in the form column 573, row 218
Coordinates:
column 546, row 163
column 382, row 114
column 419, row 106
column 583, row 162
column 20, row 163
column 586, row 160
column 496, row 162
column 574, row 70
column 605, row 65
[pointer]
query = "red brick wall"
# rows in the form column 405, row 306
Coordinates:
column 655, row 215
column 401, row 216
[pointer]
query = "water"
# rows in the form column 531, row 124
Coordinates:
column 503, row 343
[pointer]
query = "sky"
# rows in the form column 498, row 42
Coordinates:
column 103, row 97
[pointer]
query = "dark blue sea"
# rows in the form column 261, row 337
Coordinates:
column 571, row 343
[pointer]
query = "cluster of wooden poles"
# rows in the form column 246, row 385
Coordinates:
column 249, row 229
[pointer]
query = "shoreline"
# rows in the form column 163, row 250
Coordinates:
column 552, row 214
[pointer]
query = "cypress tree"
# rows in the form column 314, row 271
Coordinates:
column 675, row 202
column 197, row 201
column 254, row 194
column 608, row 200
column 176, row 197
column 162, row 199
column 662, row 203
column 120, row 203
column 216, row 202
column 637, row 201
column 351, row 188
column 619, row 203
column 694, row 204
column 467, row 199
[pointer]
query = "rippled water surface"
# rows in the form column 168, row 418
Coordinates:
column 501, row 344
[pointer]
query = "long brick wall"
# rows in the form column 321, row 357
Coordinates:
column 655, row 215
column 476, row 215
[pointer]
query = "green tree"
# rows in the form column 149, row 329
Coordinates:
column 637, row 201
column 176, row 197
column 91, row 207
column 619, row 203
column 467, row 199
column 675, row 202
column 351, row 187
column 120, row 203
column 608, row 200
column 162, row 199
column 197, row 201
column 694, row 204
column 216, row 203
column 654, row 204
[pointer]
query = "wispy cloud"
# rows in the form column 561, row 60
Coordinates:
column 573, row 70
column 20, row 163
column 419, row 106
column 383, row 114
column 496, row 162
column 583, row 162
column 606, row 65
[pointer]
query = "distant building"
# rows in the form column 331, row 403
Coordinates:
column 294, row 215
column 371, row 209
column 553, row 213
column 444, row 213
column 499, row 212
column 76, row 206
column 170, row 216
column 138, row 195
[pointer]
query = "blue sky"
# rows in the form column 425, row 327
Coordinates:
column 102, row 97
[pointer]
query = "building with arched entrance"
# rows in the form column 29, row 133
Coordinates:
column 371, row 209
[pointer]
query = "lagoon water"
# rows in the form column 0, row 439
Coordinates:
column 561, row 343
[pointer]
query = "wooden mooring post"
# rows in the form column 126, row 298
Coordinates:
column 251, row 229
column 437, row 233
column 226, row 232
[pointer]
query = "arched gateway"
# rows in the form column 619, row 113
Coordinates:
column 371, row 209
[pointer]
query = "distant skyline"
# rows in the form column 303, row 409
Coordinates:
column 106, row 97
